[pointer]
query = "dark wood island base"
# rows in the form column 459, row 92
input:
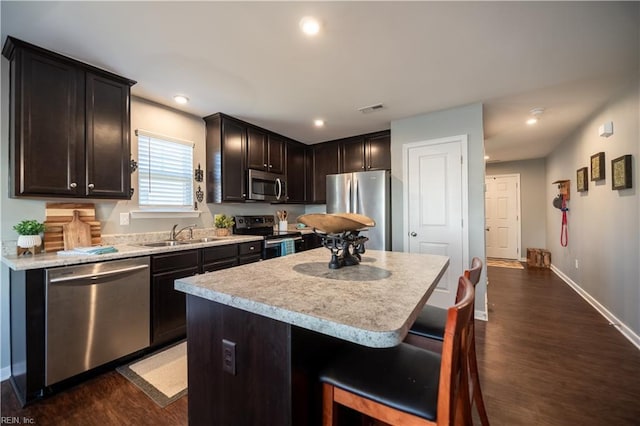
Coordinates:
column 276, row 364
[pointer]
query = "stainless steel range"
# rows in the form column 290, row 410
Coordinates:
column 264, row 226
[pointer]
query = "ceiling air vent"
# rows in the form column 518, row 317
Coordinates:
column 370, row 108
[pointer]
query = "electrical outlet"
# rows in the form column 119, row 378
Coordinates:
column 124, row 218
column 577, row 265
column 229, row 356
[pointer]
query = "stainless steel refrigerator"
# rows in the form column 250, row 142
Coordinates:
column 366, row 193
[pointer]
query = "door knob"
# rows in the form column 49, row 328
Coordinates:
column 73, row 185
column 487, row 229
column 413, row 234
column 91, row 186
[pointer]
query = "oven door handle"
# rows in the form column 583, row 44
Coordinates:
column 270, row 243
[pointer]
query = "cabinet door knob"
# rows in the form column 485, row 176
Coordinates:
column 251, row 248
column 264, row 165
column 270, row 166
column 413, row 234
column 91, row 186
column 73, row 185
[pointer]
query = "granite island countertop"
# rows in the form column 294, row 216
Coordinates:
column 372, row 304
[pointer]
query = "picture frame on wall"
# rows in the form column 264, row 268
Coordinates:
column 597, row 166
column 621, row 172
column 582, row 179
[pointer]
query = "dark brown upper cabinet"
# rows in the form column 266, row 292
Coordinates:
column 70, row 126
column 226, row 154
column 324, row 161
column 367, row 152
column 296, row 172
column 265, row 151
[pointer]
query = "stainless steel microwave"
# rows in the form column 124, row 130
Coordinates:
column 265, row 186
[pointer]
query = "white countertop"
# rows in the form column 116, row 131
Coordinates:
column 49, row 260
column 371, row 304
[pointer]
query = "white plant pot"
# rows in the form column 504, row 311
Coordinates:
column 28, row 241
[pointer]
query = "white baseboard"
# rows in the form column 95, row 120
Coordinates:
column 5, row 373
column 613, row 320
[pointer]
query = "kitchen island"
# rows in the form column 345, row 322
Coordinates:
column 257, row 334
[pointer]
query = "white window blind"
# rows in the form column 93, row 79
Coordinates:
column 165, row 172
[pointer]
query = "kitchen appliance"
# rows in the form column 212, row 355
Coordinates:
column 265, row 186
column 365, row 193
column 263, row 226
column 95, row 313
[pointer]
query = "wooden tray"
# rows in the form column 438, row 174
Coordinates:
column 336, row 223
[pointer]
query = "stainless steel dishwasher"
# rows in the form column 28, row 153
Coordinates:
column 95, row 313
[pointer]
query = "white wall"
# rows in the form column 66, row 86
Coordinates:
column 533, row 199
column 604, row 231
column 456, row 121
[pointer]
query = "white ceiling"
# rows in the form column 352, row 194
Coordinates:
column 250, row 60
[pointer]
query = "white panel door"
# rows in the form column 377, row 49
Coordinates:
column 435, row 206
column 502, row 216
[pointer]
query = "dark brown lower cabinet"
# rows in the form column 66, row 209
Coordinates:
column 220, row 257
column 276, row 366
column 168, row 309
column 249, row 252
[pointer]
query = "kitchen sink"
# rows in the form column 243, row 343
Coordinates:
column 170, row 243
column 166, row 243
column 200, row 240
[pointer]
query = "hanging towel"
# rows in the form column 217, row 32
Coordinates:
column 78, row 251
column 287, row 246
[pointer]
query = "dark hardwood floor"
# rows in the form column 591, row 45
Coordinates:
column 546, row 357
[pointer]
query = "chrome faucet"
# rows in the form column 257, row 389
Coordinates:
column 174, row 234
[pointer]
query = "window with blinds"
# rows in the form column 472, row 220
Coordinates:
column 165, row 172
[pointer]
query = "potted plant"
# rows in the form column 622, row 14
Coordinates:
column 222, row 222
column 29, row 233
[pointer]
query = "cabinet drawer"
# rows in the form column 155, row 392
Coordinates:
column 250, row 248
column 220, row 264
column 211, row 254
column 243, row 260
column 174, row 261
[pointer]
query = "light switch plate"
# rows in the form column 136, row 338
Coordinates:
column 124, row 218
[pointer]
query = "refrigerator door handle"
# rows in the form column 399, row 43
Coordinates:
column 350, row 199
column 356, row 198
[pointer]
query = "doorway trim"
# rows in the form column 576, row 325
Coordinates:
column 518, row 208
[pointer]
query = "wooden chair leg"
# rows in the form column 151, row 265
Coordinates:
column 329, row 412
column 476, row 393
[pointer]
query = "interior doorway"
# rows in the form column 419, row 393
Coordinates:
column 436, row 207
column 502, row 216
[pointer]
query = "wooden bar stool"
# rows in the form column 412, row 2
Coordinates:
column 406, row 385
column 428, row 332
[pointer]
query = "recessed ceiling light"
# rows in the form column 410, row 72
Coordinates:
column 535, row 115
column 318, row 123
column 310, row 25
column 181, row 99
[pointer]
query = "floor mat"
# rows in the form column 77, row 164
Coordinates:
column 162, row 375
column 504, row 263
